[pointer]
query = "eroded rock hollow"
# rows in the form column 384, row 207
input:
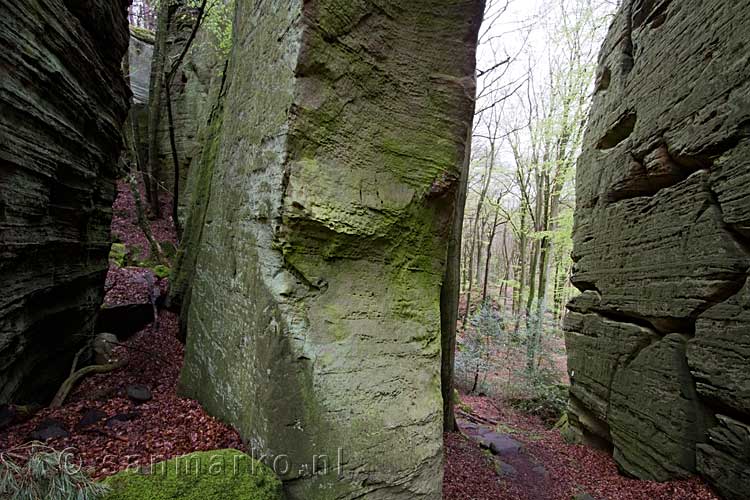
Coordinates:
column 63, row 100
column 659, row 341
column 316, row 243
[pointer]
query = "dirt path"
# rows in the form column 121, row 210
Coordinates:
column 503, row 454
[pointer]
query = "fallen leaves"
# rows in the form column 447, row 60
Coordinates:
column 117, row 432
column 572, row 469
column 165, row 427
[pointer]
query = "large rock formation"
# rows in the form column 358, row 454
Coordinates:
column 138, row 69
column 193, row 91
column 659, row 341
column 321, row 237
column 63, row 99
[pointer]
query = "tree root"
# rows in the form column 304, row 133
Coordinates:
column 75, row 376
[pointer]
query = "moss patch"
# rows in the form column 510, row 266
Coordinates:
column 117, row 254
column 161, row 271
column 210, row 475
column 142, row 34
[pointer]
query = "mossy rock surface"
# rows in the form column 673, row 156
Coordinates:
column 142, row 34
column 210, row 475
column 118, row 253
column 161, row 271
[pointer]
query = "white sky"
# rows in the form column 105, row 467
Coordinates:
column 525, row 33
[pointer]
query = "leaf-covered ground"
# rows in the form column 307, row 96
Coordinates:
column 165, row 427
column 129, row 433
column 570, row 469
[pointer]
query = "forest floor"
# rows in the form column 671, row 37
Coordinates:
column 545, row 467
column 105, row 430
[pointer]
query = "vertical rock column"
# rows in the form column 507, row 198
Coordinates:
column 658, row 342
column 192, row 92
column 135, row 132
column 63, row 99
column 314, row 322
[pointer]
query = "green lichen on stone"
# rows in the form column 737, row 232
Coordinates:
column 142, row 34
column 118, row 254
column 160, row 271
column 314, row 315
column 210, row 475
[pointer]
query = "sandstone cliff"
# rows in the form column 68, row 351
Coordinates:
column 659, row 341
column 63, row 99
column 193, row 91
column 313, row 320
column 138, row 69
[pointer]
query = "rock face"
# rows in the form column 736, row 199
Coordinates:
column 63, row 99
column 139, row 58
column 313, row 323
column 658, row 342
column 193, row 92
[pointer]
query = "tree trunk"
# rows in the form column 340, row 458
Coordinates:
column 488, row 256
column 471, row 280
column 143, row 223
column 449, row 296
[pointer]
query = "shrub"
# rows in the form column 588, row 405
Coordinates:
column 478, row 349
column 35, row 471
column 543, row 395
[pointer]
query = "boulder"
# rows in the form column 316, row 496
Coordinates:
column 49, row 429
column 215, row 475
column 124, row 320
column 501, row 444
column 503, row 469
column 91, row 417
column 139, row 393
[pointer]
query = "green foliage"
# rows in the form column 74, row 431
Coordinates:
column 211, row 475
column 542, row 395
column 37, row 472
column 218, row 22
column 478, row 349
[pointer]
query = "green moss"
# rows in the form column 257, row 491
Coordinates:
column 211, row 475
column 201, row 178
column 161, row 271
column 142, row 34
column 117, row 254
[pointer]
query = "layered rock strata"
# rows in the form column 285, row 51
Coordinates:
column 63, row 100
column 659, row 341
